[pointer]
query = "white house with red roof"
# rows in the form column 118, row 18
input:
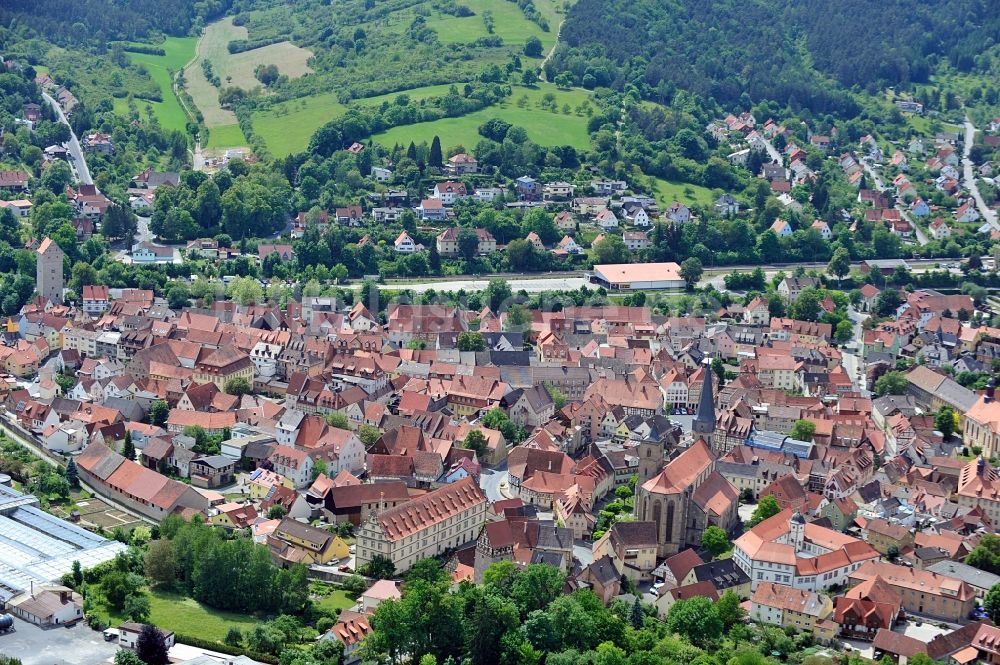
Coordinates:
column 606, row 219
column 785, row 549
column 781, row 228
column 405, row 244
column 939, row 229
column 449, row 191
column 967, row 213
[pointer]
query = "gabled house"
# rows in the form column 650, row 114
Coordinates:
column 606, row 219
column 727, row 206
column 678, row 213
column 781, row 228
column 405, row 244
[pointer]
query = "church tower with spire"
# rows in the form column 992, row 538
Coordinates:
column 703, row 426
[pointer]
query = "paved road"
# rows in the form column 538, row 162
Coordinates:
column 491, row 479
column 143, row 234
column 772, row 152
column 879, row 185
column 921, row 237
column 583, row 553
column 574, row 280
column 73, row 145
column 853, row 362
column 473, row 284
column 970, row 179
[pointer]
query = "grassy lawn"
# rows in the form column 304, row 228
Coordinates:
column 667, row 192
column 179, row 51
column 229, row 136
column 509, row 24
column 187, row 616
column 338, row 600
column 543, row 126
column 236, row 69
column 287, row 127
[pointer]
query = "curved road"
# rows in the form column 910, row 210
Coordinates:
column 73, row 145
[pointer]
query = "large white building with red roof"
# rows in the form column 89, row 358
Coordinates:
column 425, row 527
column 785, row 549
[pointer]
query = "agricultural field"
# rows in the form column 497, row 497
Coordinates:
column 235, row 69
column 526, row 108
column 179, row 51
column 288, row 126
column 228, row 136
column 509, row 23
column 689, row 194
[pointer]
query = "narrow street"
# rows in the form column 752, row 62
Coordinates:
column 73, row 145
column 880, row 186
column 772, row 152
column 969, row 176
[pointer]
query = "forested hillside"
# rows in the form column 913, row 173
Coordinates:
column 98, row 21
column 789, row 51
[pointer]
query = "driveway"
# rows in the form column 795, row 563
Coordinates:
column 78, row 645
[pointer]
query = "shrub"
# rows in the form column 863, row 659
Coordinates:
column 225, row 648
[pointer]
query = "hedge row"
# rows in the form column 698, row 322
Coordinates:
column 225, row 648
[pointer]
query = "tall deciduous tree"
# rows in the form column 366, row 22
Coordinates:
column 766, row 507
column 691, row 271
column 696, row 619
column 158, row 412
column 840, row 263
column 160, row 563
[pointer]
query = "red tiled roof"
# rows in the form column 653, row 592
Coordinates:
column 434, row 507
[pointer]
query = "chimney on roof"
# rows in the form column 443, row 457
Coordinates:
column 991, row 388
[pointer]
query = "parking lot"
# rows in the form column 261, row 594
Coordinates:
column 77, row 645
column 925, row 632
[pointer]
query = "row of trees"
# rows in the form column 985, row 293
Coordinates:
column 229, row 574
column 523, row 616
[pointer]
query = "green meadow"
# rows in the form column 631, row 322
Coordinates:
column 179, row 51
column 667, row 192
column 288, row 126
column 525, row 108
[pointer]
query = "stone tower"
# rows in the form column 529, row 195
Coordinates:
column 704, row 421
column 49, row 271
column 650, row 459
column 796, row 530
